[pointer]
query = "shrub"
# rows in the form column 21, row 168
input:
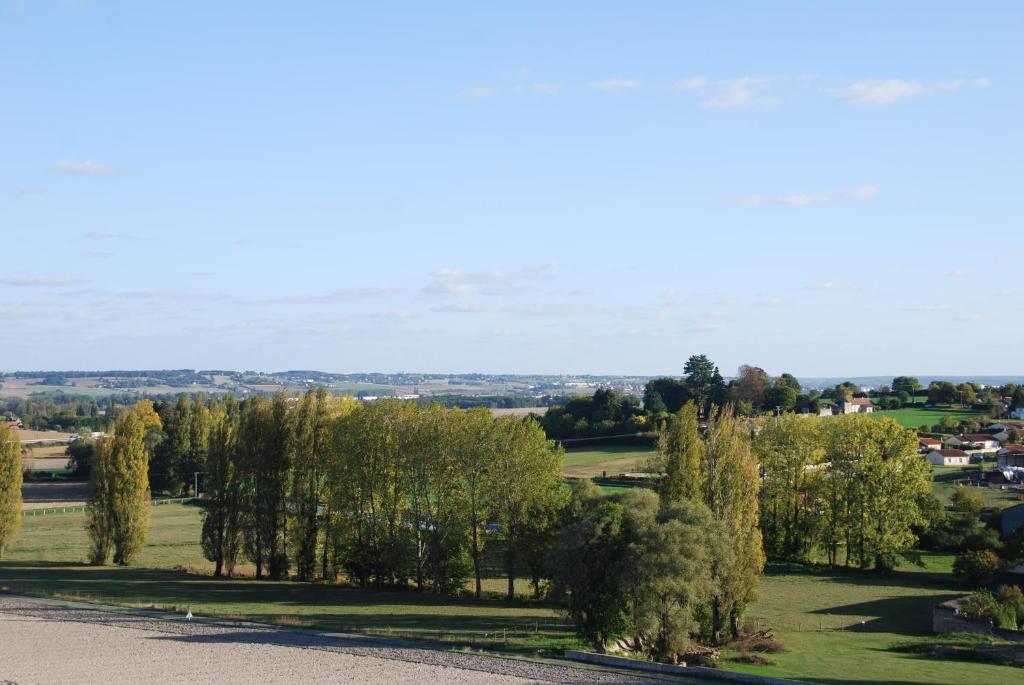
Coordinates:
column 976, row 565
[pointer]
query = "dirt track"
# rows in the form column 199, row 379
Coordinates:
column 101, row 647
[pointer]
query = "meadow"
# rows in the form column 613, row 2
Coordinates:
column 606, row 460
column 925, row 418
column 838, row 626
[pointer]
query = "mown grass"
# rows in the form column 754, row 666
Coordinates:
column 838, row 626
column 925, row 418
column 608, row 460
column 945, row 480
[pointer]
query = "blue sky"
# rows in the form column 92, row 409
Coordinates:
column 512, row 187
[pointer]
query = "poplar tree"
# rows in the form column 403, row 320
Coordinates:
column 731, row 481
column 222, row 522
column 790, row 449
column 120, row 495
column 680, row 454
column 10, row 487
column 524, row 477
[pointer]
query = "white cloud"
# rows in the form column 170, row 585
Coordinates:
column 746, row 91
column 808, row 199
column 769, row 302
column 690, row 83
column 86, row 168
column 612, row 85
column 889, row 91
column 100, row 254
column 108, row 235
column 452, row 281
column 957, row 273
column 546, row 88
column 480, row 91
column 40, row 281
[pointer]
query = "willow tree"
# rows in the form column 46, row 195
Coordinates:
column 119, row 498
column 731, row 479
column 679, row 458
column 10, row 487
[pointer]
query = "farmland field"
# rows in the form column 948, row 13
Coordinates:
column 946, row 478
column 916, row 418
column 608, row 459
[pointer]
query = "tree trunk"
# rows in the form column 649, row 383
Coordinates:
column 476, row 558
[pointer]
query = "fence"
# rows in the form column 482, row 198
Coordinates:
column 82, row 508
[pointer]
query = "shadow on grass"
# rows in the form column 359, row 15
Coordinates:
column 908, row 615
column 328, row 606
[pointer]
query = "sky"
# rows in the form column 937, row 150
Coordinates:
column 595, row 187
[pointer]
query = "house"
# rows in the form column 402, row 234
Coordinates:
column 1018, row 413
column 949, row 458
column 10, row 422
column 926, row 445
column 974, row 441
column 825, row 410
column 858, row 405
column 1011, row 456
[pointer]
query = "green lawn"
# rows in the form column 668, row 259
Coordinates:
column 945, row 479
column 841, row 627
column 847, row 627
column 609, row 460
column 916, row 418
column 49, row 558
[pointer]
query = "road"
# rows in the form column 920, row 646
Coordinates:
column 45, row 642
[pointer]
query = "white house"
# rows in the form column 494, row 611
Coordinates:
column 974, row 441
column 949, row 458
column 858, row 405
column 926, row 445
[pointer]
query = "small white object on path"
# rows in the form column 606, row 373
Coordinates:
column 188, row 616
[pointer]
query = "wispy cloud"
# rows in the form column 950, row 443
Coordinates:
column 451, row 281
column 40, row 281
column 86, row 168
column 327, row 297
column 109, row 235
column 546, row 88
column 690, row 83
column 957, row 273
column 808, row 199
column 890, row 91
column 480, row 91
column 768, row 302
column 612, row 85
column 746, row 91
column 98, row 254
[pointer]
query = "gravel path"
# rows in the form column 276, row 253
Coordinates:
column 44, row 642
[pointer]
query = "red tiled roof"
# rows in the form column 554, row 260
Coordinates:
column 953, row 453
column 976, row 437
column 861, row 400
column 1012, row 449
column 929, row 441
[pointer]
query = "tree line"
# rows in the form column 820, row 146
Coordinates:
column 389, row 493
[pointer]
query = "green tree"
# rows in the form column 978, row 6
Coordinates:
column 524, row 478
column 731, row 483
column 704, row 382
column 10, row 487
column 680, row 454
column 119, row 501
column 223, row 516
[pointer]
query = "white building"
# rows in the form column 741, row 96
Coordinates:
column 949, row 458
column 859, row 405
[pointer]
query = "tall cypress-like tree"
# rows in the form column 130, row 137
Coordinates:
column 10, row 487
column 731, row 481
column 120, row 496
column 680, row 455
column 222, row 522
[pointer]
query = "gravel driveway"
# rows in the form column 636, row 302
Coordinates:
column 43, row 642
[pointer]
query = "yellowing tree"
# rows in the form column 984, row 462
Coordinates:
column 10, row 487
column 119, row 498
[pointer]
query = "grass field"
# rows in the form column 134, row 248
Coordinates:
column 841, row 627
column 917, row 418
column 605, row 460
column 945, row 479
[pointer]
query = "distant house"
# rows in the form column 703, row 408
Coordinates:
column 1010, row 456
column 929, row 444
column 1018, row 413
column 949, row 458
column 974, row 441
column 10, row 422
column 825, row 410
column 859, row 405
